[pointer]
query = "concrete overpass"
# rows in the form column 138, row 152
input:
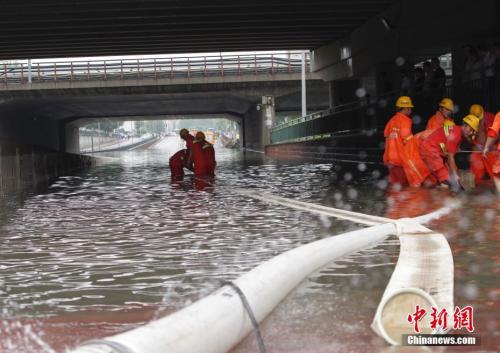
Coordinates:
column 45, row 106
column 58, row 28
column 354, row 44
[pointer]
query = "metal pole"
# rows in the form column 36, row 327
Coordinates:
column 99, row 133
column 303, row 79
column 29, row 71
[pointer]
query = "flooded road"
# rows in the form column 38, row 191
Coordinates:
column 103, row 251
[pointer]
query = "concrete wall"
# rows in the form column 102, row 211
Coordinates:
column 24, row 168
column 28, row 127
column 418, row 29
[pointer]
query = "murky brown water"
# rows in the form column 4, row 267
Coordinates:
column 104, row 251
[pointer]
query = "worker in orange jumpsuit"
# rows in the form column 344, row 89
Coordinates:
column 493, row 136
column 209, row 155
column 181, row 158
column 176, row 164
column 203, row 156
column 442, row 144
column 397, row 131
column 401, row 151
column 479, row 164
column 443, row 116
column 186, row 136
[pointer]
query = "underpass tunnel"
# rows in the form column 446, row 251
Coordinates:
column 89, row 135
column 50, row 120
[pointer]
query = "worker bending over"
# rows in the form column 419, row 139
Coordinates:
column 479, row 164
column 438, row 150
column 182, row 158
column 443, row 116
column 401, row 150
column 493, row 136
column 203, row 154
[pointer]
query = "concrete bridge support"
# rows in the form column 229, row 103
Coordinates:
column 257, row 122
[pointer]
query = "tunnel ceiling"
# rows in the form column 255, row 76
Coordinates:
column 62, row 28
column 122, row 106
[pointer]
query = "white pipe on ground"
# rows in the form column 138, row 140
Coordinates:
column 219, row 321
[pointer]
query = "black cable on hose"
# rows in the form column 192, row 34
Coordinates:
column 246, row 305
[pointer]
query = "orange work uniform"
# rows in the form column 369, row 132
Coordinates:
column 437, row 146
column 176, row 164
column 401, row 153
column 209, row 156
column 203, row 159
column 396, row 132
column 494, row 131
column 478, row 164
column 438, row 120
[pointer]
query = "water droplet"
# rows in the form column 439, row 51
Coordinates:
column 470, row 291
column 400, row 61
column 360, row 92
column 352, row 193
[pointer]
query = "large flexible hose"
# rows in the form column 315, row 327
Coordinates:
column 218, row 322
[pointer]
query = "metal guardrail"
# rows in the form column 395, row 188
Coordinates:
column 362, row 103
column 371, row 114
column 156, row 68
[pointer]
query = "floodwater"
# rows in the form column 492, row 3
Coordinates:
column 114, row 247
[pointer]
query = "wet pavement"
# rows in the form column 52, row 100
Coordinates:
column 106, row 250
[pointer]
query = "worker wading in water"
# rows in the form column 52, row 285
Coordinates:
column 401, row 149
column 493, row 136
column 443, row 116
column 203, row 155
column 480, row 164
column 439, row 147
column 182, row 158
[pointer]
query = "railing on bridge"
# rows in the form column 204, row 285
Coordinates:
column 369, row 114
column 156, row 68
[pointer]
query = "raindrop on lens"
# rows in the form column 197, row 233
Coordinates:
column 400, row 61
column 352, row 193
column 489, row 215
column 360, row 92
column 382, row 184
column 361, row 167
column 470, row 291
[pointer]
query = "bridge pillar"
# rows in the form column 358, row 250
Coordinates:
column 71, row 138
column 257, row 123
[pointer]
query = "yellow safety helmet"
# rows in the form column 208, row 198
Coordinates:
column 404, row 102
column 477, row 110
column 472, row 121
column 183, row 132
column 446, row 103
column 200, row 135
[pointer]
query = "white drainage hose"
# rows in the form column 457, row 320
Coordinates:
column 218, row 322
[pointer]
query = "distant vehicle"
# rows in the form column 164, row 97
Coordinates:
column 211, row 137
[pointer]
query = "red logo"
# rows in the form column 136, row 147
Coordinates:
column 462, row 318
